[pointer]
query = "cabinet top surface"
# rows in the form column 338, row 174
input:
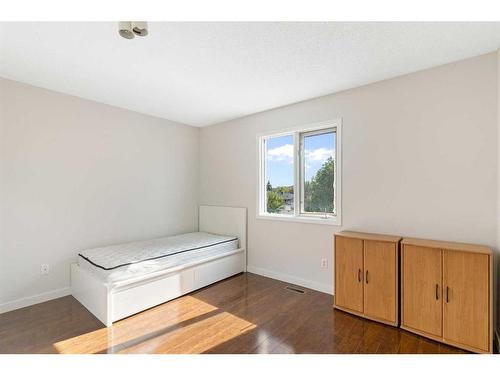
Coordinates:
column 369, row 236
column 458, row 246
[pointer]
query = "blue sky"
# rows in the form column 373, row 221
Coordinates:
column 279, row 156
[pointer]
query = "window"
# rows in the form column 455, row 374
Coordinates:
column 279, row 175
column 299, row 174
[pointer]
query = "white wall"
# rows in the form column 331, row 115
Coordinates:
column 419, row 159
column 496, row 264
column 76, row 174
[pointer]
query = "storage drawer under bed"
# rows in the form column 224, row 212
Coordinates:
column 129, row 301
column 151, row 293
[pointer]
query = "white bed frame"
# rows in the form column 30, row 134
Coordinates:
column 128, row 297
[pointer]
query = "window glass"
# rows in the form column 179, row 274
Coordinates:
column 279, row 177
column 300, row 173
column 318, row 172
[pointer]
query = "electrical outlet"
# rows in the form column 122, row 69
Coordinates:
column 44, row 269
column 324, row 263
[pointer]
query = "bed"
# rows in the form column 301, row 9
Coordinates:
column 117, row 281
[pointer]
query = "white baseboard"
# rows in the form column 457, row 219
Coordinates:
column 325, row 288
column 33, row 300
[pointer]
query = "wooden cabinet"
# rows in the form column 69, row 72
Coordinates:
column 348, row 273
column 466, row 298
column 446, row 291
column 421, row 278
column 380, row 288
column 366, row 275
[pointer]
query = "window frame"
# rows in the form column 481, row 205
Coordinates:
column 298, row 134
column 302, row 164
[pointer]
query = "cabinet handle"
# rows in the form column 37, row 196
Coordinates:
column 447, row 294
column 366, row 276
column 437, row 292
column 359, row 274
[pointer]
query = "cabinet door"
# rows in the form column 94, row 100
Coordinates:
column 422, row 291
column 349, row 273
column 466, row 298
column 380, row 280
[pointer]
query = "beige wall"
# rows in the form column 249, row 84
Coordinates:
column 75, row 174
column 496, row 266
column 419, row 159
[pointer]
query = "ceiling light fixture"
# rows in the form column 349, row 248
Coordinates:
column 140, row 28
column 129, row 29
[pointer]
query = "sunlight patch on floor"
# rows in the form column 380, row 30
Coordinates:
column 158, row 321
column 198, row 337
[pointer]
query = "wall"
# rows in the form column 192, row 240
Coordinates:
column 419, row 159
column 496, row 266
column 76, row 174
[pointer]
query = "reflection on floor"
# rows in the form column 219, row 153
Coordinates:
column 244, row 314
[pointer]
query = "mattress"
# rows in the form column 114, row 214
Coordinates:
column 124, row 261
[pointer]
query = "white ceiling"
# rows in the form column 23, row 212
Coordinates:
column 204, row 73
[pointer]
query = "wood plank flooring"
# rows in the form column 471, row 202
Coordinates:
column 244, row 314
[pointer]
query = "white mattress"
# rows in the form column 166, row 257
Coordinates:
column 123, row 261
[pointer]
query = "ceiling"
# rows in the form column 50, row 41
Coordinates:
column 204, row 73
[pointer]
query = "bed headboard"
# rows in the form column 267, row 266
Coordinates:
column 230, row 221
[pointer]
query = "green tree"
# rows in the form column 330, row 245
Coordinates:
column 307, row 196
column 269, row 187
column 319, row 192
column 283, row 189
column 274, row 202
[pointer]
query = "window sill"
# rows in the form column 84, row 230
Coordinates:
column 301, row 219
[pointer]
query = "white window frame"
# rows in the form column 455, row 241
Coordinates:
column 298, row 134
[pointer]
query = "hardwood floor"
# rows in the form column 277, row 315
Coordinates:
column 244, row 314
